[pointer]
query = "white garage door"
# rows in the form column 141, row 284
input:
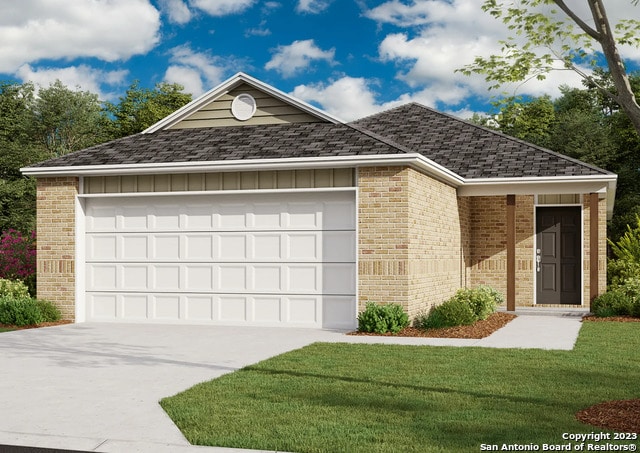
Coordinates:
column 252, row 259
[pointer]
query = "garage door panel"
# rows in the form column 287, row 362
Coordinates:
column 339, row 246
column 133, row 247
column 338, row 216
column 102, row 246
column 134, row 277
column 199, row 247
column 134, row 307
column 267, row 259
column 338, row 278
column 199, row 277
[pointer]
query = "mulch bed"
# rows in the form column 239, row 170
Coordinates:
column 622, row 416
column 611, row 318
column 480, row 329
column 36, row 326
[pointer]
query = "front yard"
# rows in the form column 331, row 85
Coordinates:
column 368, row 398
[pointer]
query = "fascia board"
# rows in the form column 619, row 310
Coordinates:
column 228, row 85
column 414, row 160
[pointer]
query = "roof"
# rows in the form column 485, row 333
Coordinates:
column 279, row 141
column 469, row 150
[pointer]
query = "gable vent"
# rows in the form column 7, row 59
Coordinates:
column 243, row 107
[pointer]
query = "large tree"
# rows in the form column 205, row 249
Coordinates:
column 68, row 120
column 549, row 31
column 141, row 107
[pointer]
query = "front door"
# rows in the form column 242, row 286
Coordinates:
column 558, row 257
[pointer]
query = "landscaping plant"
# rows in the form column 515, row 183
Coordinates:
column 18, row 258
column 26, row 311
column 382, row 318
column 464, row 308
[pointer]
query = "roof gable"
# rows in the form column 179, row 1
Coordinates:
column 215, row 108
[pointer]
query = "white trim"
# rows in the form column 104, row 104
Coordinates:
column 182, row 193
column 80, row 229
column 225, row 87
column 356, row 177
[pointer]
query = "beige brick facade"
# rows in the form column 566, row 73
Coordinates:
column 418, row 242
column 56, row 198
column 412, row 239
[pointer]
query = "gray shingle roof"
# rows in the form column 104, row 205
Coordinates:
column 229, row 143
column 469, row 150
column 464, row 148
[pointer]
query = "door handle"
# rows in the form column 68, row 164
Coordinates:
column 538, row 259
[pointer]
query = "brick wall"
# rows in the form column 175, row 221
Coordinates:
column 488, row 251
column 602, row 247
column 411, row 239
column 56, row 242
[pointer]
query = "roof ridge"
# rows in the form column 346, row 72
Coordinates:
column 381, row 138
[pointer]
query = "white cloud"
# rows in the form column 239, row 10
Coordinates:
column 83, row 77
column 177, row 10
column 196, row 71
column 222, row 7
column 312, row 6
column 347, row 98
column 290, row 60
column 58, row 29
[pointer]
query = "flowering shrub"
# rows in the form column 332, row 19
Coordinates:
column 18, row 257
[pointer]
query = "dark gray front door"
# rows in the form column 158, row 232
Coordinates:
column 558, row 257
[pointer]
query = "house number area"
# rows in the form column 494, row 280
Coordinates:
column 575, row 442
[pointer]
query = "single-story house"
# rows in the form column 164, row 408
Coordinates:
column 250, row 207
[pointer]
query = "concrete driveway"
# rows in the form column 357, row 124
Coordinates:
column 101, row 383
column 96, row 387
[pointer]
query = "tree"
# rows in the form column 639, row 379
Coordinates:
column 567, row 38
column 68, row 120
column 17, row 149
column 142, row 107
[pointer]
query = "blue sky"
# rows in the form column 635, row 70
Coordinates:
column 350, row 57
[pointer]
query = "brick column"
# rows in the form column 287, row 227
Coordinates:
column 56, row 198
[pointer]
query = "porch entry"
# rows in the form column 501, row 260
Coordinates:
column 558, row 255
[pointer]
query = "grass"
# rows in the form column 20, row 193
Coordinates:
column 380, row 398
column 6, row 329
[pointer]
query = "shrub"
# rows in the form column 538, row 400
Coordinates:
column 18, row 257
column 382, row 318
column 25, row 311
column 453, row 312
column 13, row 288
column 465, row 307
column 623, row 300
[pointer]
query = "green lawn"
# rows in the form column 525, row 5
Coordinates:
column 6, row 329
column 376, row 398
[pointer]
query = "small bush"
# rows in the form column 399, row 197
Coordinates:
column 464, row 308
column 13, row 288
column 622, row 300
column 382, row 318
column 26, row 311
column 453, row 312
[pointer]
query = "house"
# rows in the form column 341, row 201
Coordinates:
column 249, row 207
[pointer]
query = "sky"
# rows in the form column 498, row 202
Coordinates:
column 351, row 58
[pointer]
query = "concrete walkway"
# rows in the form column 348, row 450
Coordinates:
column 96, row 387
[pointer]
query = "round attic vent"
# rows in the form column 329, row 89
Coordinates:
column 243, row 107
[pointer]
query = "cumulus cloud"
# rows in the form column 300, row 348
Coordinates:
column 347, row 98
column 58, row 29
column 222, row 7
column 312, row 6
column 290, row 60
column 196, row 71
column 177, row 11
column 83, row 77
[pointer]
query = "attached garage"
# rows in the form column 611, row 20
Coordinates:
column 247, row 259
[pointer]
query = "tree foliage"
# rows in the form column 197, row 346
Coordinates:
column 549, row 35
column 57, row 120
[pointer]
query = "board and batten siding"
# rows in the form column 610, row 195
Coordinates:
column 269, row 111
column 277, row 179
